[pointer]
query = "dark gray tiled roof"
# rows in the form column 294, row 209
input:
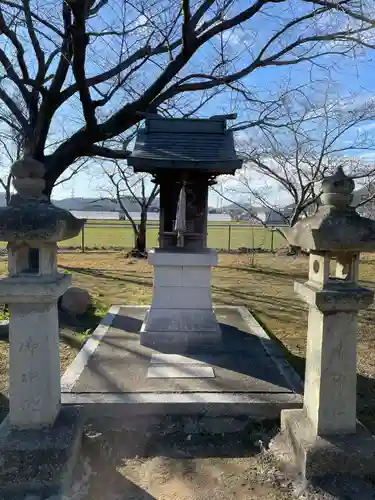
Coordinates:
column 185, row 143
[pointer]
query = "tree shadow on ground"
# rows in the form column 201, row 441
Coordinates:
column 176, row 436
column 125, row 277
column 153, row 449
column 290, row 275
column 69, row 325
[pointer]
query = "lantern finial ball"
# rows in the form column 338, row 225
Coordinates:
column 337, row 189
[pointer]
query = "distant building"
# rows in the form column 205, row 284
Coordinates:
column 272, row 217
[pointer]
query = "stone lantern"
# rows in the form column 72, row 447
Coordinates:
column 32, row 226
column 325, row 435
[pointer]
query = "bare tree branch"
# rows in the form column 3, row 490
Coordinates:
column 103, row 63
column 297, row 156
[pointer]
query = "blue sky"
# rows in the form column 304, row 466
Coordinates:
column 351, row 77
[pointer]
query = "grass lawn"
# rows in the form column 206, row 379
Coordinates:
column 116, row 235
column 265, row 288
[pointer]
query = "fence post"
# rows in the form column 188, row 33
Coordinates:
column 272, row 236
column 83, row 239
column 229, row 236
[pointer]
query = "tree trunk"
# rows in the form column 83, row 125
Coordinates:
column 140, row 239
column 139, row 249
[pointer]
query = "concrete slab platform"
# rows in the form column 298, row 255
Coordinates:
column 250, row 375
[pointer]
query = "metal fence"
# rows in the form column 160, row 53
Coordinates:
column 105, row 235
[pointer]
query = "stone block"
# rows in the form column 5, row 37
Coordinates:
column 176, row 342
column 178, row 330
column 196, row 276
column 76, row 300
column 316, row 456
column 159, row 358
column 182, row 276
column 168, row 276
column 170, row 297
column 186, row 320
column 180, row 371
column 160, row 257
column 350, row 299
column 35, row 461
column 31, row 290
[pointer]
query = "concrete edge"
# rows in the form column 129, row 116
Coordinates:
column 76, row 367
column 274, row 351
column 174, row 397
column 210, row 404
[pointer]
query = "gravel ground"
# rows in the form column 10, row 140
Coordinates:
column 193, row 459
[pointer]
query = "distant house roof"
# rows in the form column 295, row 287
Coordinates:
column 182, row 143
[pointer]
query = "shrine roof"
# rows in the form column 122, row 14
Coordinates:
column 184, row 143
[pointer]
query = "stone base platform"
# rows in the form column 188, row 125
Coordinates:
column 315, row 456
column 39, row 463
column 244, row 374
column 193, row 330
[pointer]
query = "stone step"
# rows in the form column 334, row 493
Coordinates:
column 40, row 462
column 26, row 492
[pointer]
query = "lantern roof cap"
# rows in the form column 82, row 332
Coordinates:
column 30, row 218
column 336, row 226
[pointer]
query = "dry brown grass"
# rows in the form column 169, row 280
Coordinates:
column 266, row 289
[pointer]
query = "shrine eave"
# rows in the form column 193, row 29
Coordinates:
column 154, row 166
column 185, row 144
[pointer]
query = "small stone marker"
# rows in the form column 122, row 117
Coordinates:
column 174, row 359
column 76, row 300
column 176, row 366
column 180, row 371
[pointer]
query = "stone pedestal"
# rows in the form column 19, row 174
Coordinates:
column 323, row 455
column 331, row 365
column 325, row 436
column 181, row 316
column 34, row 359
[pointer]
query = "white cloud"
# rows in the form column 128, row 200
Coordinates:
column 367, row 127
column 370, row 156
